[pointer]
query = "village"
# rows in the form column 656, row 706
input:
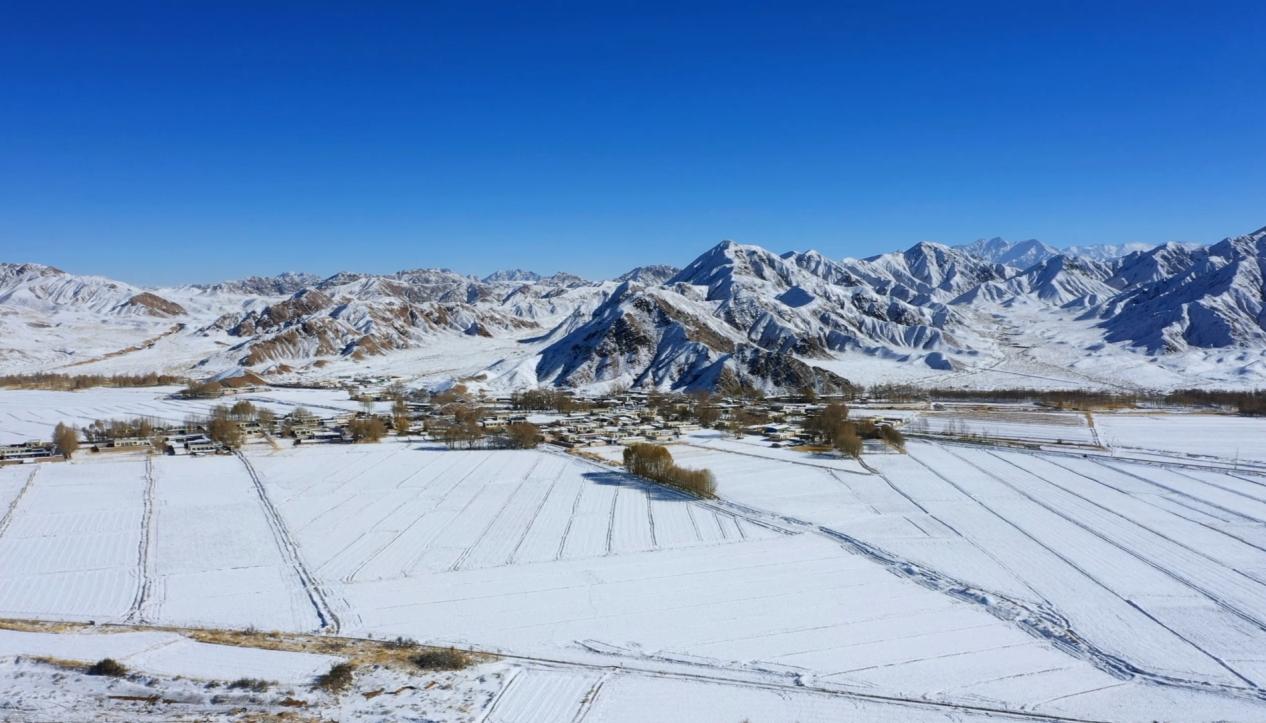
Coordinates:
column 456, row 417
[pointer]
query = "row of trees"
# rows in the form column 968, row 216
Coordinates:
column 547, row 400
column 71, row 382
column 1250, row 402
column 655, row 462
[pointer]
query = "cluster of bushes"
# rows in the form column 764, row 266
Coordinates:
column 442, row 659
column 655, row 462
column 202, row 390
column 336, row 679
column 71, row 382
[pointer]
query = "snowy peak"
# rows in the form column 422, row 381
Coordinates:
column 511, row 275
column 651, row 275
column 283, row 284
column 1020, row 255
column 1214, row 298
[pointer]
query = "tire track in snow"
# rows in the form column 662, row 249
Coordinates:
column 145, row 574
column 1044, row 621
column 1041, row 620
column 461, row 559
column 1173, row 490
column 1149, row 503
column 289, row 550
column 1210, row 595
column 591, row 697
column 1228, row 490
column 443, row 498
column 536, row 514
column 615, row 498
column 13, row 506
column 575, row 505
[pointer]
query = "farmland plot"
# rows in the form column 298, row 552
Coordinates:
column 1065, row 427
column 403, row 510
column 1194, row 434
column 69, row 541
column 216, row 560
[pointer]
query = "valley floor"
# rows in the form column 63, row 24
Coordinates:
column 1055, row 579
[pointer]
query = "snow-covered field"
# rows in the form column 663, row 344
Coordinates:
column 953, row 581
column 1192, row 434
column 31, row 414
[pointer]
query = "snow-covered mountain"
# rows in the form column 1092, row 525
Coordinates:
column 990, row 312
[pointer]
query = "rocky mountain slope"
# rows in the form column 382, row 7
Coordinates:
column 736, row 316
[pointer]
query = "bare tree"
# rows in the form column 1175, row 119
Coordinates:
column 400, row 417
column 370, row 429
column 523, row 435
column 847, row 441
column 65, row 439
column 223, row 428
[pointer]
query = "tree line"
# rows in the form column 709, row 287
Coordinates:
column 71, row 382
column 655, row 462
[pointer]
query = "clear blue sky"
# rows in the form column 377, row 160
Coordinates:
column 188, row 141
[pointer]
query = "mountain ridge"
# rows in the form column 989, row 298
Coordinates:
column 737, row 315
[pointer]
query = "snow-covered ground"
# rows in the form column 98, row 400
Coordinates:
column 169, row 676
column 953, row 581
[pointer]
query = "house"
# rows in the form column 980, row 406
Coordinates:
column 25, row 451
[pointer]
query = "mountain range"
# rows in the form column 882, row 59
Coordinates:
column 987, row 314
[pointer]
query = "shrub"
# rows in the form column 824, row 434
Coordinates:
column 65, row 439
column 442, row 659
column 401, row 643
column 109, row 667
column 336, row 679
column 252, row 684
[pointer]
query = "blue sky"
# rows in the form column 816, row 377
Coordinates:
column 185, row 141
